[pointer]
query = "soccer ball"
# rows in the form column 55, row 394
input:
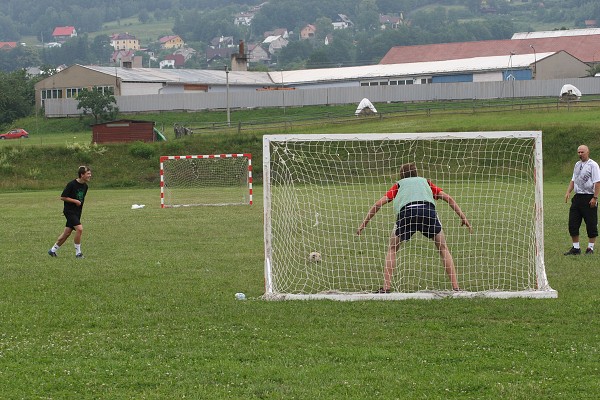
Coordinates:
column 314, row 256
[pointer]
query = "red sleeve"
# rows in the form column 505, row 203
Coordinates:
column 392, row 192
column 434, row 189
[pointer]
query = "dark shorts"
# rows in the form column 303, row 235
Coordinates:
column 417, row 218
column 581, row 210
column 72, row 220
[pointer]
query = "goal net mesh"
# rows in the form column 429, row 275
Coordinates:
column 224, row 179
column 318, row 191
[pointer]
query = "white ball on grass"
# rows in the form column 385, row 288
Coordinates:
column 314, row 256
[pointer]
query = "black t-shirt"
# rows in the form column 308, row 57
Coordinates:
column 74, row 190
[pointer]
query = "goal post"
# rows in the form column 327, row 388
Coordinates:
column 318, row 189
column 205, row 180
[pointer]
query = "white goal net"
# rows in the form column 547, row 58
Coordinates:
column 318, row 189
column 205, row 180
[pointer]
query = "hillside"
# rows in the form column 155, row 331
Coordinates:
column 198, row 22
column 41, row 163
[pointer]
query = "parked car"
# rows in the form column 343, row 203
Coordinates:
column 15, row 134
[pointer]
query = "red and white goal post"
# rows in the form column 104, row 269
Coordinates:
column 206, row 180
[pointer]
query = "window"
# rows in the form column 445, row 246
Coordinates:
column 52, row 94
column 73, row 92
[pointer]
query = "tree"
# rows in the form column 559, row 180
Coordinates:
column 101, row 105
column 16, row 96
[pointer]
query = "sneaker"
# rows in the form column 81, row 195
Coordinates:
column 573, row 252
column 80, row 255
column 52, row 254
column 589, row 252
column 382, row 290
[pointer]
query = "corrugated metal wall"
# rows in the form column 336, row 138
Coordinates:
column 333, row 95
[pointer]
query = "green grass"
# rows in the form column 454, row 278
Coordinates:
column 150, row 313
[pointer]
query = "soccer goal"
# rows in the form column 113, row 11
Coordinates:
column 318, row 189
column 205, row 180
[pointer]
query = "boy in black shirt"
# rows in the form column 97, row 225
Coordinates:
column 73, row 197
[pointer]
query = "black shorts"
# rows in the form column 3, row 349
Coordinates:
column 417, row 218
column 73, row 220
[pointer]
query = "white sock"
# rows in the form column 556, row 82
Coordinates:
column 591, row 246
column 78, row 249
column 576, row 245
column 55, row 248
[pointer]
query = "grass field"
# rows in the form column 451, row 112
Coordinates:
column 150, row 313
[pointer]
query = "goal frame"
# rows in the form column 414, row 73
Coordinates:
column 205, row 156
column 543, row 289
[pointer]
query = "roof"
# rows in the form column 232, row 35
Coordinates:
column 166, row 39
column 466, row 65
column 8, row 45
column 63, row 31
column 583, row 47
column 210, row 77
column 122, row 36
column 556, row 33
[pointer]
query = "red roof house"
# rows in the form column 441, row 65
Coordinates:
column 62, row 33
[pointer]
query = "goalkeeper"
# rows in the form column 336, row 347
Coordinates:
column 414, row 202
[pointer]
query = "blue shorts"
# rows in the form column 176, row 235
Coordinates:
column 417, row 217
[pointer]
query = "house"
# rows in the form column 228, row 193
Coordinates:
column 308, row 32
column 389, row 21
column 178, row 61
column 124, row 41
column 7, row 45
column 166, row 64
column 243, row 18
column 275, row 43
column 328, row 39
column 122, row 55
column 341, row 21
column 277, row 32
column 186, row 52
column 63, row 33
column 219, row 56
column 171, row 42
column 222, row 42
column 256, row 54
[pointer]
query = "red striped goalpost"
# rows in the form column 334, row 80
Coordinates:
column 206, row 180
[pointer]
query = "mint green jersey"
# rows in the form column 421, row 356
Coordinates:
column 411, row 190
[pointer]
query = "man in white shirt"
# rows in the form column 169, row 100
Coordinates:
column 584, row 205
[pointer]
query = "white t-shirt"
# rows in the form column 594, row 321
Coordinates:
column 585, row 175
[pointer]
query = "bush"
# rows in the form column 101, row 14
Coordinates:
column 142, row 150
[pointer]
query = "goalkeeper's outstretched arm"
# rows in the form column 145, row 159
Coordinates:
column 372, row 211
column 454, row 205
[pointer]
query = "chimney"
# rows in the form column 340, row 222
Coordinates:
column 241, row 52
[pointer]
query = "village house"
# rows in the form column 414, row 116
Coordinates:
column 7, row 45
column 171, row 42
column 256, row 54
column 124, row 41
column 308, row 32
column 389, row 21
column 63, row 33
column 275, row 43
column 341, row 21
column 222, row 42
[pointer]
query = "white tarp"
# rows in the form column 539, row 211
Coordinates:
column 365, row 103
column 570, row 91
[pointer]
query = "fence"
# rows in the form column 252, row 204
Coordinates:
column 332, row 95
